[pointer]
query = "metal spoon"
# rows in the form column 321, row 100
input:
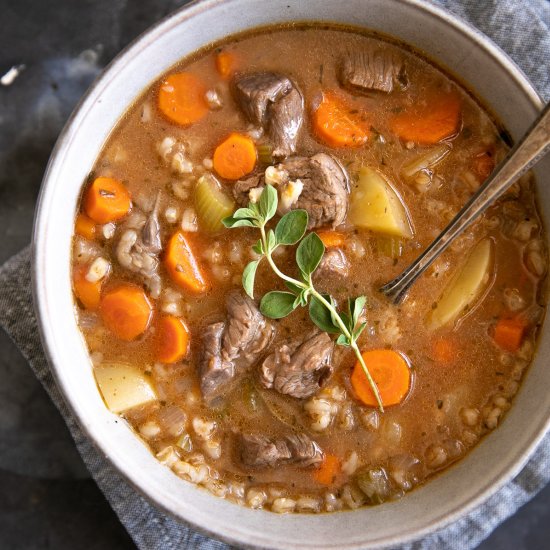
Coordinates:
column 532, row 147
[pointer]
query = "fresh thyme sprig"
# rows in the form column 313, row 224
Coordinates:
column 301, row 292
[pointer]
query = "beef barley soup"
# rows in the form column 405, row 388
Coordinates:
column 228, row 249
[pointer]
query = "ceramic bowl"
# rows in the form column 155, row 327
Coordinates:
column 486, row 71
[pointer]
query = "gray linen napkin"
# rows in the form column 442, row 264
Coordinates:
column 522, row 29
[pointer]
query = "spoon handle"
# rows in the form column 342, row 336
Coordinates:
column 533, row 146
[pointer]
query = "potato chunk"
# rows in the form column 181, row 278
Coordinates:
column 465, row 287
column 123, row 386
column 375, row 205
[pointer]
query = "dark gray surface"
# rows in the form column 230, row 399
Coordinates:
column 47, row 499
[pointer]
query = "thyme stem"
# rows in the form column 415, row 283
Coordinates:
column 336, row 316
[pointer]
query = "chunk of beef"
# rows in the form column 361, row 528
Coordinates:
column 325, row 188
column 215, row 372
column 242, row 188
column 371, row 69
column 272, row 101
column 139, row 246
column 247, row 333
column 299, row 368
column 334, row 262
column 259, row 451
column 325, row 191
column 230, row 348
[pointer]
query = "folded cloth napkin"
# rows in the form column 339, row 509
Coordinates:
column 521, row 28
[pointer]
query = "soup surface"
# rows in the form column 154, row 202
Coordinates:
column 368, row 151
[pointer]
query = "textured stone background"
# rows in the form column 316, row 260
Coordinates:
column 46, row 497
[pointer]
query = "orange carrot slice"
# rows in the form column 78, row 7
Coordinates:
column 331, row 238
column 126, row 311
column 428, row 124
column 328, row 471
column 85, row 227
column 225, row 63
column 509, row 333
column 106, row 200
column 181, row 98
column 88, row 293
column 173, row 339
column 235, row 157
column 339, row 125
column 390, row 372
column 182, row 265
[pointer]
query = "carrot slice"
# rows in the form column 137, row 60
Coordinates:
column 509, row 333
column 173, row 342
column 106, row 200
column 225, row 63
column 182, row 99
column 339, row 125
column 88, row 293
column 235, row 157
column 85, row 227
column 390, row 372
column 327, row 472
column 331, row 238
column 182, row 265
column 438, row 119
column 126, row 311
column 444, row 351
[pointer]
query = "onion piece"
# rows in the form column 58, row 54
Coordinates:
column 426, row 160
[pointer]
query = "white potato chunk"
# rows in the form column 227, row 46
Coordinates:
column 123, row 386
column 376, row 205
column 465, row 287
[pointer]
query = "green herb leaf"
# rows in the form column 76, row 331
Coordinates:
column 259, row 247
column 231, row 222
column 249, row 274
column 293, row 288
column 271, row 241
column 291, row 227
column 342, row 340
column 277, row 304
column 359, row 330
column 321, row 315
column 267, row 205
column 346, row 320
column 241, row 213
column 309, row 253
column 298, row 301
column 356, row 307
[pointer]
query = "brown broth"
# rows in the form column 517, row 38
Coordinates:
column 479, row 377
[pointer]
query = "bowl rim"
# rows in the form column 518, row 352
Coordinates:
column 39, row 264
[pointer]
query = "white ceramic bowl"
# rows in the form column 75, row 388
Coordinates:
column 489, row 74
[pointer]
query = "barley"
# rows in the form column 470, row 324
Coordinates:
column 149, row 430
column 189, row 220
column 283, row 505
column 171, row 214
column 255, row 498
column 470, row 417
column 213, row 449
column 213, row 100
column 204, row 428
column 308, row 504
column 351, row 463
column 168, row 456
column 98, row 270
column 435, row 456
column 108, row 230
